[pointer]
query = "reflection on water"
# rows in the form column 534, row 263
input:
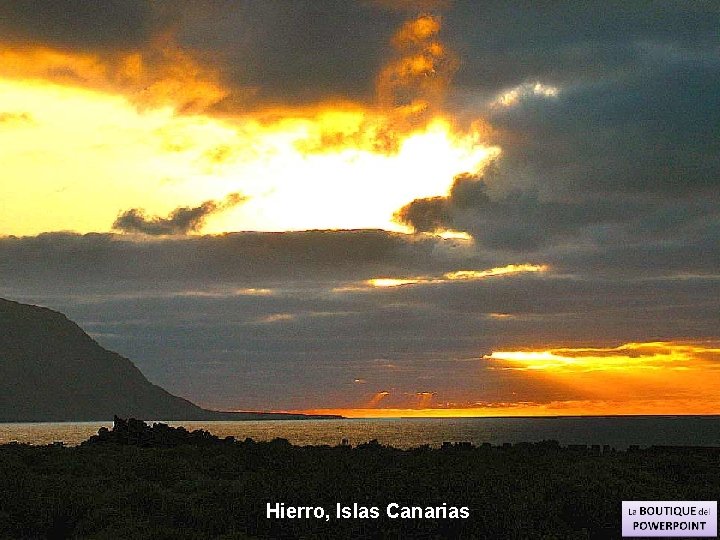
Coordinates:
column 619, row 432
column 48, row 432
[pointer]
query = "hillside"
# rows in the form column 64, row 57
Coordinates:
column 51, row 370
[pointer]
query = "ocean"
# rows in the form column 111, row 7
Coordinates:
column 616, row 431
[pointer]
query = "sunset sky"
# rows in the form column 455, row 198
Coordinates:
column 376, row 208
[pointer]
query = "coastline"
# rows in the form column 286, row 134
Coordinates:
column 146, row 482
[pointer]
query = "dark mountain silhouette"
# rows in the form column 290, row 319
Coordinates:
column 51, row 370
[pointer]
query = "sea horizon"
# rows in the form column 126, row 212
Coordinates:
column 321, row 418
column 618, row 432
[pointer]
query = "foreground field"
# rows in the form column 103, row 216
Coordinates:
column 137, row 482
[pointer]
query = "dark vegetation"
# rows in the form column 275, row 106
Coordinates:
column 140, row 482
column 52, row 371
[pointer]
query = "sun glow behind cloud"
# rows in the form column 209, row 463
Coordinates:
column 625, row 358
column 112, row 132
column 84, row 146
column 87, row 155
column 351, row 187
column 457, row 275
column 634, row 378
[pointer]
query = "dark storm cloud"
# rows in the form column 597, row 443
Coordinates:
column 182, row 220
column 82, row 24
column 269, row 52
column 265, row 53
column 622, row 158
column 505, row 43
column 426, row 215
column 233, row 351
column 625, row 157
column 305, row 51
column 635, row 119
column 109, row 263
column 228, row 320
column 649, row 133
column 293, row 52
column 585, row 227
column 99, row 261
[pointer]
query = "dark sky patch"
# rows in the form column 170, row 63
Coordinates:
column 83, row 25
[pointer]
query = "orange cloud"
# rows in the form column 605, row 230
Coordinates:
column 353, row 165
column 673, row 377
column 414, row 84
column 630, row 356
column 667, row 378
column 162, row 75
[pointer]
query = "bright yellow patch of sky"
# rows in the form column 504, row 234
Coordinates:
column 85, row 136
column 631, row 356
column 79, row 157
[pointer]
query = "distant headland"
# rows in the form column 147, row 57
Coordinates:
column 52, row 371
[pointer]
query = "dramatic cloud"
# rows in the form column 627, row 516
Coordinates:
column 182, row 220
column 299, row 53
column 426, row 215
column 516, row 220
column 565, row 43
column 604, row 163
column 415, row 83
column 127, row 47
column 109, row 262
column 280, row 54
column 228, row 320
column 117, row 24
column 607, row 128
column 591, row 240
column 646, row 132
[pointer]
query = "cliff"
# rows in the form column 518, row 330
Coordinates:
column 51, row 370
